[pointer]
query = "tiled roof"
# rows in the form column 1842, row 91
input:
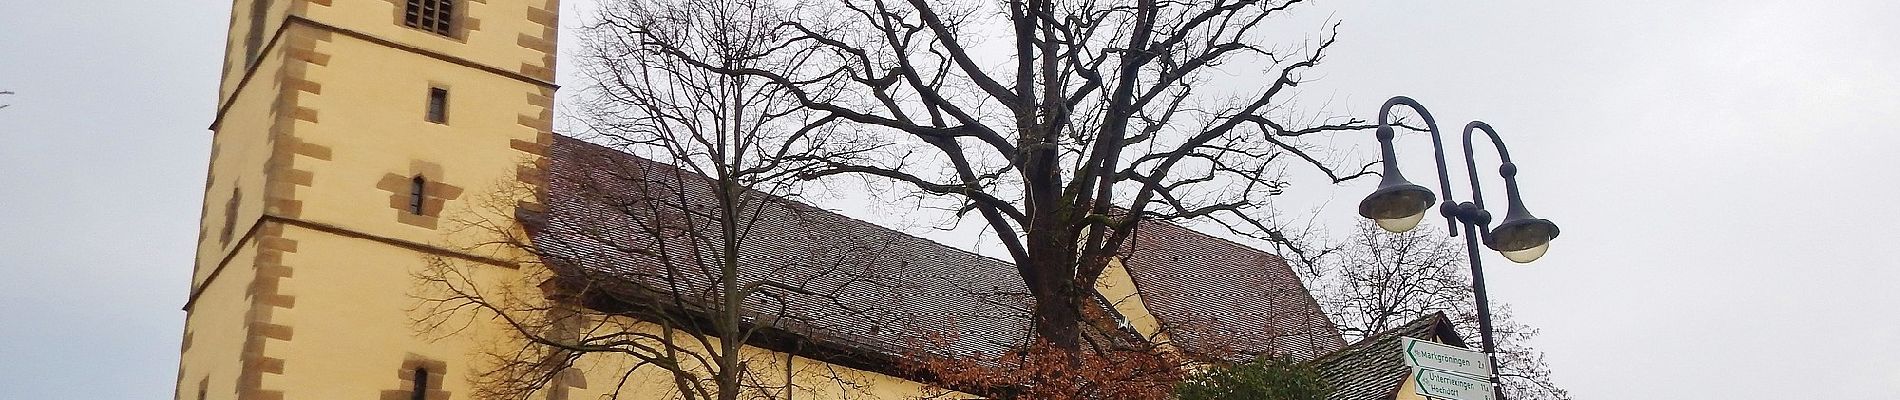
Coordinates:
column 1217, row 297
column 880, row 290
column 1372, row 369
column 872, row 288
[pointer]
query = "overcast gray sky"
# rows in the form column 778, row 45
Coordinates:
column 1722, row 172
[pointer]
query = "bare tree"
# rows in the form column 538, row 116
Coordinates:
column 640, row 260
column 1375, row 281
column 1085, row 118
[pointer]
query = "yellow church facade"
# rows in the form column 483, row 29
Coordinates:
column 354, row 142
column 331, row 112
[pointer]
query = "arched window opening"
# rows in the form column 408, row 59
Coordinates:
column 416, row 187
column 421, row 389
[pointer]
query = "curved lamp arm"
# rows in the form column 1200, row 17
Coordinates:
column 1520, row 236
column 1504, row 157
column 1390, row 162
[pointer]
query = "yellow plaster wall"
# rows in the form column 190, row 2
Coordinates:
column 814, row 379
column 240, row 150
column 235, row 63
column 212, row 345
column 514, row 35
column 354, row 321
column 1119, row 287
column 219, row 320
column 1409, row 390
column 370, row 121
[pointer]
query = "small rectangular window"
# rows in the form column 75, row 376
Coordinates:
column 438, row 105
column 431, row 15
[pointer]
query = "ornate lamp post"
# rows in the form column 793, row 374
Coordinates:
column 1398, row 205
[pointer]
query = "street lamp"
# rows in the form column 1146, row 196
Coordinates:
column 1397, row 206
column 1521, row 237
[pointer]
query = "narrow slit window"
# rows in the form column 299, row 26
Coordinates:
column 416, row 187
column 230, row 216
column 421, row 389
column 438, row 105
column 254, row 40
column 436, row 16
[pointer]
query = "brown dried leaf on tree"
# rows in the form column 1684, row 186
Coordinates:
column 1045, row 371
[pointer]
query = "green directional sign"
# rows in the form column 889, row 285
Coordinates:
column 1443, row 385
column 1426, row 354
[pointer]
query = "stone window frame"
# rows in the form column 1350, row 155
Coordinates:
column 431, row 379
column 436, row 193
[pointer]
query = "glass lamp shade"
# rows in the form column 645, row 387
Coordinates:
column 1397, row 225
column 1523, row 239
column 1527, row 255
column 1397, row 206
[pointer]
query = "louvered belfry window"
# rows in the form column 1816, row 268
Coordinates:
column 431, row 15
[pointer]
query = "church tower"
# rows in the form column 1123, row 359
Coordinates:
column 349, row 138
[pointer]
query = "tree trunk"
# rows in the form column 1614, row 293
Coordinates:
column 1057, row 315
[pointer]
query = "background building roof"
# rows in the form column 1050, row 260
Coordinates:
column 1372, row 368
column 1217, row 297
